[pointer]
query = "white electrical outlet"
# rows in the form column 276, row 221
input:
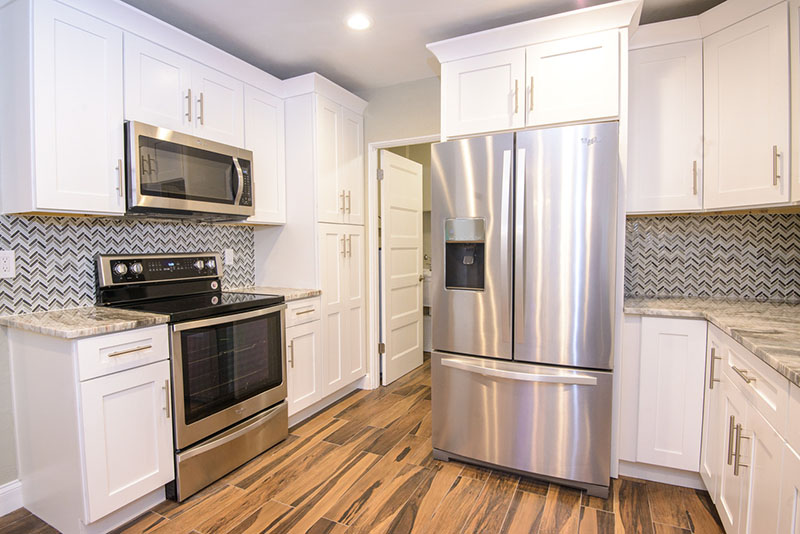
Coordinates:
column 7, row 269
column 228, row 255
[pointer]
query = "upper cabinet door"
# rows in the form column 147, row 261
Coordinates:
column 574, row 79
column 747, row 112
column 263, row 135
column 352, row 166
column 330, row 182
column 218, row 106
column 157, row 85
column 665, row 143
column 484, row 93
column 78, row 115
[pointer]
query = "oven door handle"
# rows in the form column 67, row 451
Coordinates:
column 200, row 323
column 240, row 181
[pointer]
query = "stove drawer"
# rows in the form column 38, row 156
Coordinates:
column 103, row 355
column 302, row 311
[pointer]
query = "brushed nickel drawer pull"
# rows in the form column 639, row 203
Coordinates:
column 189, row 105
column 128, row 351
column 775, row 156
column 312, row 310
column 291, row 351
column 694, row 177
column 341, row 199
column 714, row 357
column 743, row 374
column 731, row 439
column 516, row 96
column 202, row 110
column 167, row 407
column 121, row 183
column 738, row 456
column 348, row 201
column 531, row 104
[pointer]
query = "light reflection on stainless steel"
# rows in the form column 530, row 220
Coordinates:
column 467, row 181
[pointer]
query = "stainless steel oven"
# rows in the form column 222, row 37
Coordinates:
column 174, row 174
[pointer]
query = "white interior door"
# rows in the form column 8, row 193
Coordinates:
column 401, row 269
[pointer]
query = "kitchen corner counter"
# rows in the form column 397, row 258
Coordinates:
column 289, row 293
column 770, row 330
column 82, row 322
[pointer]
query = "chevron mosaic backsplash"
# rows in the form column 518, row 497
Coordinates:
column 745, row 256
column 54, row 255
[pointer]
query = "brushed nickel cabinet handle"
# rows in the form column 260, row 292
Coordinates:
column 121, row 182
column 343, row 249
column 341, row 201
column 731, row 438
column 531, row 104
column 129, row 351
column 189, row 104
column 737, row 462
column 201, row 101
column 350, row 245
column 694, row 177
column 348, row 201
column 743, row 374
column 291, row 351
column 167, row 397
column 312, row 310
column 711, row 370
column 516, row 96
column 775, row 167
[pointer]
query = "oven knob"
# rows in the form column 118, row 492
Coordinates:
column 210, row 264
column 121, row 269
column 136, row 268
column 199, row 265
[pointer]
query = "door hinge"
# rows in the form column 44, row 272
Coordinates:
column 380, row 174
column 381, row 348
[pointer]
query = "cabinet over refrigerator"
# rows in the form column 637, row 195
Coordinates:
column 523, row 299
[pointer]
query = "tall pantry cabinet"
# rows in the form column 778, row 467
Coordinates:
column 325, row 192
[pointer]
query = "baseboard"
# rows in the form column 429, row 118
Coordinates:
column 10, row 497
column 666, row 475
column 320, row 405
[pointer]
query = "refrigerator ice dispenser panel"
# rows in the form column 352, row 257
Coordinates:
column 465, row 262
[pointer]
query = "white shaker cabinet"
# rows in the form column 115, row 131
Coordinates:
column 732, row 412
column 789, row 507
column 352, row 162
column 304, row 365
column 746, row 112
column 665, row 143
column 671, row 375
column 711, row 454
column 61, row 135
column 484, row 93
column 573, row 79
column 169, row 90
column 263, row 135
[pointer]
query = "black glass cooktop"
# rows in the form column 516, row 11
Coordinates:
column 204, row 305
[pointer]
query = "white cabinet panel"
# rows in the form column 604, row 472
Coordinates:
column 352, row 165
column 731, row 489
column 78, row 117
column 760, row 454
column 665, row 143
column 789, row 508
column 711, row 459
column 573, row 79
column 219, row 106
column 484, row 93
column 127, row 436
column 746, row 104
column 671, row 375
column 355, row 344
column 263, row 135
column 157, row 85
column 330, row 182
column 304, row 365
column 334, row 307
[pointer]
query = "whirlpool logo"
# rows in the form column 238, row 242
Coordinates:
column 589, row 141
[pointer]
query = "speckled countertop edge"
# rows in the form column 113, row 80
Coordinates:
column 289, row 293
column 75, row 323
column 770, row 330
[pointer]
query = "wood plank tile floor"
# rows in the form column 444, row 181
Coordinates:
column 365, row 465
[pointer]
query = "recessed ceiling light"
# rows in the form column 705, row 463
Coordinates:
column 359, row 21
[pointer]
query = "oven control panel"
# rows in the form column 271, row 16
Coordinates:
column 119, row 269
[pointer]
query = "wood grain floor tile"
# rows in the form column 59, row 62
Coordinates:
column 632, row 508
column 398, row 428
column 705, row 518
column 203, row 513
column 378, row 514
column 492, row 504
column 326, row 526
column 670, row 504
column 141, row 525
column 562, row 511
column 594, row 521
column 415, row 514
column 262, row 520
column 607, row 505
column 532, row 485
column 412, row 449
column 524, row 514
column 13, row 517
column 661, row 528
column 475, row 471
column 453, row 511
column 424, row 429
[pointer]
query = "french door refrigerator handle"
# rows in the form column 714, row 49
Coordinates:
column 505, row 238
column 519, row 249
column 565, row 379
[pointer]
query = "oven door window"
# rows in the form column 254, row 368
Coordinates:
column 170, row 170
column 227, row 363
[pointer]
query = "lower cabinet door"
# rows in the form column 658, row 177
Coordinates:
column 355, row 322
column 789, row 509
column 304, row 365
column 671, row 383
column 333, row 273
column 127, row 436
column 730, row 498
column 711, row 457
column 760, row 453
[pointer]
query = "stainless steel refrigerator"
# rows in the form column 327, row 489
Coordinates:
column 523, row 227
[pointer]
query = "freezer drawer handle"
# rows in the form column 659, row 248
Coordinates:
column 571, row 380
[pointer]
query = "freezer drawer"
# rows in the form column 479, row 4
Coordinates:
column 545, row 420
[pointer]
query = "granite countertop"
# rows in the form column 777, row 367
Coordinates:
column 81, row 322
column 289, row 293
column 770, row 330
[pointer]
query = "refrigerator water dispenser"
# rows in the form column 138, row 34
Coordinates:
column 464, row 258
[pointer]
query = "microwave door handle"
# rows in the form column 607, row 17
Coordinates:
column 240, row 182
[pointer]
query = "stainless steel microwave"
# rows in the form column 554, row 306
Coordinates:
column 173, row 174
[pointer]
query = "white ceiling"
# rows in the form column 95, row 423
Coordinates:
column 291, row 37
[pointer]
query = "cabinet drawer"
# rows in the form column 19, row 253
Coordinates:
column 767, row 390
column 793, row 431
column 302, row 311
column 102, row 355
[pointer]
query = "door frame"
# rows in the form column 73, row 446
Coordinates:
column 373, row 210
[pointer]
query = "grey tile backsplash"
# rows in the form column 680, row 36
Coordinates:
column 743, row 256
column 54, row 255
